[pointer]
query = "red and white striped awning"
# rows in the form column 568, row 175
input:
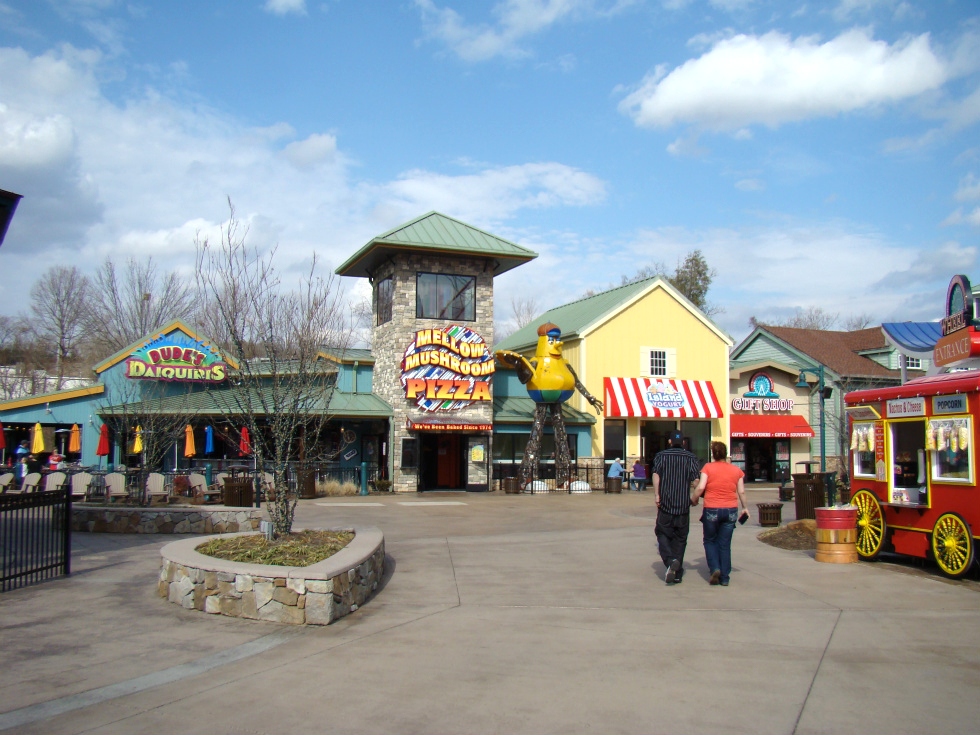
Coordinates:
column 659, row 397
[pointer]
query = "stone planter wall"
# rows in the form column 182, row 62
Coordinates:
column 191, row 519
column 313, row 595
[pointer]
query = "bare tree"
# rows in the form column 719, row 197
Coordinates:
column 58, row 301
column 814, row 317
column 524, row 309
column 281, row 388
column 127, row 306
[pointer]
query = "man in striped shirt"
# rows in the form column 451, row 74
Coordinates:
column 674, row 469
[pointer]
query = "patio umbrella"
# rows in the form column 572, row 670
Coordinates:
column 138, row 441
column 3, row 444
column 189, row 448
column 75, row 439
column 208, row 440
column 37, row 444
column 245, row 443
column 102, row 450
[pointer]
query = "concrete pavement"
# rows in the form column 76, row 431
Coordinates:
column 505, row 614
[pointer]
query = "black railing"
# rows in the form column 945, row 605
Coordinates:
column 35, row 537
column 588, row 470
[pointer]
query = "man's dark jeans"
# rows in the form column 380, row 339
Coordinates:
column 672, row 537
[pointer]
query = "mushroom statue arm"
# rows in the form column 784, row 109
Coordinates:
column 525, row 369
column 580, row 387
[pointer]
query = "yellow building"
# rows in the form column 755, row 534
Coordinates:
column 653, row 358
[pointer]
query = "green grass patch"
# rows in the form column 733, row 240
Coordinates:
column 295, row 550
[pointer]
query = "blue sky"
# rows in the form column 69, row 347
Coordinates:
column 819, row 154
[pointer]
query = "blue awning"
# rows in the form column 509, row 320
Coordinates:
column 913, row 338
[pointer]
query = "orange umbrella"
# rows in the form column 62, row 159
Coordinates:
column 189, row 448
column 75, row 439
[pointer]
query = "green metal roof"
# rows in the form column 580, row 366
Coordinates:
column 436, row 233
column 576, row 317
column 222, row 402
column 349, row 354
column 517, row 410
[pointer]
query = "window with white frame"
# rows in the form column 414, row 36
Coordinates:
column 658, row 362
column 863, row 446
column 913, row 363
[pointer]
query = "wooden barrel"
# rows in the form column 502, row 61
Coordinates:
column 512, row 485
column 836, row 535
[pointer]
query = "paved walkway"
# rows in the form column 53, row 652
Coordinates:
column 505, row 614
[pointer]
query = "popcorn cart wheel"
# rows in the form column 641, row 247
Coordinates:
column 870, row 524
column 952, row 545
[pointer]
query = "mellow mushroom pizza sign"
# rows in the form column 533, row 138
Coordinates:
column 446, row 369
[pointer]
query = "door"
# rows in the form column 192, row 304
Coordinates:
column 447, row 452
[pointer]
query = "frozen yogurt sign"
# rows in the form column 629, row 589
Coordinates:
column 665, row 396
column 168, row 358
column 445, row 369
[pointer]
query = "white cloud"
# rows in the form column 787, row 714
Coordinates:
column 309, row 153
column 496, row 193
column 142, row 175
column 774, row 79
column 969, row 188
column 284, row 7
column 515, row 21
column 750, row 185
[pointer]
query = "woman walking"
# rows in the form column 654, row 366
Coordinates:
column 723, row 487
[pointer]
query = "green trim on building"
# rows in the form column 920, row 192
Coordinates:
column 517, row 410
column 436, row 233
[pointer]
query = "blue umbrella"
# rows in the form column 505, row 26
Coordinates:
column 208, row 440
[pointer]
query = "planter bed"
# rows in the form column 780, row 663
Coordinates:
column 313, row 595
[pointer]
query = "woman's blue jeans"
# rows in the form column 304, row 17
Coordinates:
column 719, row 525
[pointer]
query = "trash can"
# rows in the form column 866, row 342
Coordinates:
column 808, row 490
column 614, row 484
column 837, row 535
column 238, row 492
column 770, row 514
column 306, row 484
column 512, row 485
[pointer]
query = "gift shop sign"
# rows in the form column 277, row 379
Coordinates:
column 905, row 407
column 166, row 358
column 447, row 369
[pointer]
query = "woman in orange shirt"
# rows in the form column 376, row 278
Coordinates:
column 723, row 487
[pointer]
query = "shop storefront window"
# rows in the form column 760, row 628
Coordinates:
column 383, row 297
column 614, row 439
column 410, row 453
column 443, row 296
column 948, row 443
column 863, row 445
column 699, row 434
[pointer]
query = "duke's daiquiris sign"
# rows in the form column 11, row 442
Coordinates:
column 442, row 369
column 166, row 358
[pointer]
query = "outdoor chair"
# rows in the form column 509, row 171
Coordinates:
column 156, row 488
column 200, row 490
column 54, row 481
column 115, row 486
column 31, row 482
column 267, row 486
column 6, row 481
column 79, row 485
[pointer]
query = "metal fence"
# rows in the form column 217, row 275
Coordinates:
column 35, row 537
column 591, row 471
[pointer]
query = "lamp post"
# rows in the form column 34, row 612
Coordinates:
column 824, row 393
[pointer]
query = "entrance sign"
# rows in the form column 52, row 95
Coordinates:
column 442, row 369
column 173, row 358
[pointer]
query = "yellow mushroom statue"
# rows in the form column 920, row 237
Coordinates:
column 550, row 381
